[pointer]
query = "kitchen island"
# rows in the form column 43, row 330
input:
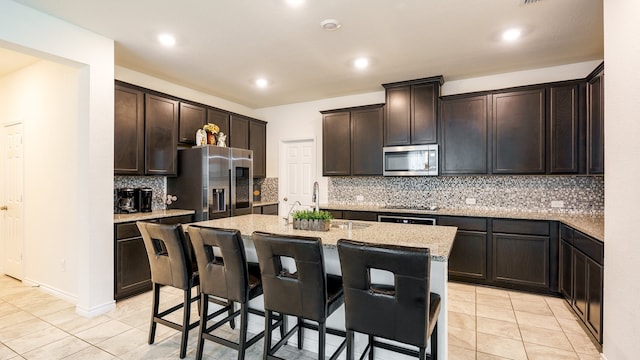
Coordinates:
column 439, row 239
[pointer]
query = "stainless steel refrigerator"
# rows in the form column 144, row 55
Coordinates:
column 214, row 181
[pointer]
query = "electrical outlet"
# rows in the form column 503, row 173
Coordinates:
column 557, row 204
column 470, row 201
column 359, row 198
column 63, row 265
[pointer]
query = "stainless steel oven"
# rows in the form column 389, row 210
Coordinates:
column 406, row 219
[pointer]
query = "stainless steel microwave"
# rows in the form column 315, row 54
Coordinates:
column 416, row 160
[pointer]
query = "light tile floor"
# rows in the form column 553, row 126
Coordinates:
column 484, row 323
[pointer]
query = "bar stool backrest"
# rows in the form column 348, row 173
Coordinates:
column 399, row 311
column 167, row 250
column 223, row 273
column 302, row 293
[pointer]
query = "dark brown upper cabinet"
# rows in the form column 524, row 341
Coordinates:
column 411, row 112
column 220, row 118
column 352, row 141
column 519, row 132
column 566, row 120
column 464, row 134
column 595, row 120
column 239, row 134
column 129, row 131
column 192, row 118
column 258, row 143
column 161, row 135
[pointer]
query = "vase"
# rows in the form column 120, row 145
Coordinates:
column 211, row 139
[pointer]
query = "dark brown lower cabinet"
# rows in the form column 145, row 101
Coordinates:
column 271, row 209
column 468, row 258
column 521, row 260
column 581, row 277
column 132, row 274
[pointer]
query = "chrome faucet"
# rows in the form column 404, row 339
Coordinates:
column 316, row 195
column 286, row 219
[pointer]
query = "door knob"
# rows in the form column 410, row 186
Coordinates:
column 286, row 199
column 4, row 207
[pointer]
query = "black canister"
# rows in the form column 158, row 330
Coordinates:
column 144, row 199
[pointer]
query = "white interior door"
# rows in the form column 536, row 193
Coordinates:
column 12, row 205
column 298, row 172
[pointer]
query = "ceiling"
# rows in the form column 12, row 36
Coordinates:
column 224, row 45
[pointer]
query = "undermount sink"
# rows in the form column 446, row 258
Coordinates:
column 344, row 224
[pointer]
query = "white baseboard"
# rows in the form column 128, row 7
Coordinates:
column 96, row 310
column 52, row 291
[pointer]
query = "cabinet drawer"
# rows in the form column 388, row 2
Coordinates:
column 463, row 223
column 526, row 227
column 128, row 230
column 566, row 233
column 184, row 219
column 591, row 247
column 360, row 215
column 270, row 209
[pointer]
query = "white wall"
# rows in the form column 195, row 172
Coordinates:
column 38, row 95
column 153, row 83
column 622, row 134
column 26, row 30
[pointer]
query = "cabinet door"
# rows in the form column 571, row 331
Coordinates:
column 594, row 296
column 239, row 137
column 579, row 283
column 219, row 118
column 468, row 258
column 566, row 270
column 336, row 144
column 360, row 215
column 258, row 143
column 161, row 135
column 521, row 260
column 519, row 132
column 366, row 141
column 424, row 100
column 128, row 156
column 192, row 118
column 397, row 121
column 464, row 124
column 595, row 136
column 133, row 274
column 564, row 129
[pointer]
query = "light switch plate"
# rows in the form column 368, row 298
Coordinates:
column 557, row 204
column 359, row 198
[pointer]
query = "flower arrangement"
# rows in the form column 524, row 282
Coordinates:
column 312, row 220
column 212, row 132
column 211, row 128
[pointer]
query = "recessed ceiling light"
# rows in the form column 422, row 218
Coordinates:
column 295, row 3
column 262, row 83
column 361, row 63
column 167, row 40
column 330, row 24
column 511, row 34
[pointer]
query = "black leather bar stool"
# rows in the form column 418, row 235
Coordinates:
column 171, row 265
column 405, row 312
column 306, row 293
column 224, row 273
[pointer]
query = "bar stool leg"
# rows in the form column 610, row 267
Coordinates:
column 232, row 309
column 300, row 333
column 434, row 343
column 244, row 321
column 371, row 347
column 267, row 335
column 322, row 334
column 185, row 323
column 350, row 345
column 203, row 325
column 154, row 312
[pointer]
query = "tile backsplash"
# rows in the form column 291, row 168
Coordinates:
column 579, row 194
column 157, row 183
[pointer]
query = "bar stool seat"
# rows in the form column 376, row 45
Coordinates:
column 305, row 292
column 406, row 312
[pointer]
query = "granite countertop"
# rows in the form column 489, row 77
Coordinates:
column 438, row 239
column 264, row 203
column 592, row 225
column 156, row 214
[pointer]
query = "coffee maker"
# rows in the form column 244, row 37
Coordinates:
column 124, row 201
column 143, row 199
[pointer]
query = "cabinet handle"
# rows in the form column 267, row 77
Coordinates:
column 4, row 207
